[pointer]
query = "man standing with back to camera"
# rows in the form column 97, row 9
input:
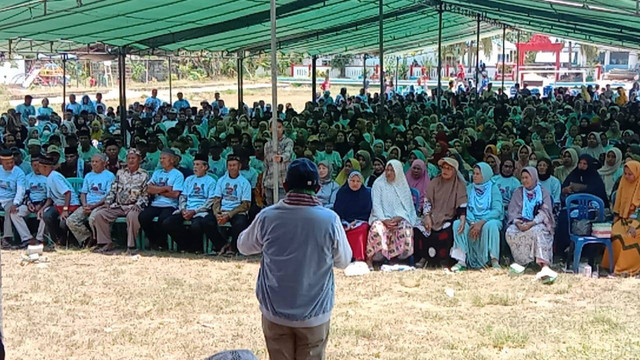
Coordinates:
column 300, row 242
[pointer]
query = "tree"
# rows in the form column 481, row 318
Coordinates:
column 590, row 53
column 340, row 62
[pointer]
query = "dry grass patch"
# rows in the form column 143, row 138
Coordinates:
column 172, row 306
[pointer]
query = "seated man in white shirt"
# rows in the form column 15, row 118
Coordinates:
column 231, row 203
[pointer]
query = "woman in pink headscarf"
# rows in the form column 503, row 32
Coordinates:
column 418, row 178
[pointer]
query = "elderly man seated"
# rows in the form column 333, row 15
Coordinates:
column 95, row 187
column 36, row 189
column 12, row 188
column 127, row 197
column 194, row 205
column 165, row 187
column 231, row 203
column 61, row 195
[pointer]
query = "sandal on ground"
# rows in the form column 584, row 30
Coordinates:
column 458, row 268
column 421, row 264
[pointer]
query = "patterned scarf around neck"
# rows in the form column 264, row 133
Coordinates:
column 301, row 198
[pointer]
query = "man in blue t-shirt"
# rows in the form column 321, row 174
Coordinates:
column 165, row 187
column 73, row 105
column 61, row 202
column 25, row 110
column 194, row 205
column 181, row 103
column 95, row 187
column 12, row 187
column 36, row 189
column 231, row 203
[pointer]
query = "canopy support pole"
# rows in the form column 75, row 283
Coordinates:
column 64, row 82
column 381, row 43
column 570, row 53
column 517, row 79
column 123, row 93
column 274, row 101
column 314, row 79
column 477, row 52
column 240, row 71
column 504, row 34
column 439, row 89
column 364, row 73
column 395, row 88
column 170, row 83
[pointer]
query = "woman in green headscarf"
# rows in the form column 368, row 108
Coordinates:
column 414, row 155
column 347, row 168
column 364, row 158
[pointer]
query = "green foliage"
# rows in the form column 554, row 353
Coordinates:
column 590, row 53
column 138, row 71
column 340, row 62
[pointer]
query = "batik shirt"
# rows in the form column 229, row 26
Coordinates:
column 129, row 188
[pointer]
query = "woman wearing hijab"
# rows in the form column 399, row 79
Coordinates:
column 440, row 151
column 392, row 217
column 523, row 160
column 594, row 146
column 506, row 182
column 364, row 158
column 477, row 237
column 96, row 130
column 530, row 222
column 328, row 187
column 549, row 182
column 349, row 166
column 445, row 201
column 614, row 132
column 494, row 163
column 353, row 205
column 395, row 153
column 378, row 149
column 583, row 180
column 569, row 163
column 418, row 178
column 612, row 170
column 413, row 156
column 625, row 236
column 622, row 98
column 378, row 170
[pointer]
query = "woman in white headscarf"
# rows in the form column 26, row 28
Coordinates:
column 393, row 216
column 612, row 169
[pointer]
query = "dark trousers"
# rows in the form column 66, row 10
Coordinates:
column 55, row 227
column 155, row 231
column 189, row 238
column 239, row 222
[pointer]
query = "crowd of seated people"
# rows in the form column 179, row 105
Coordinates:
column 461, row 183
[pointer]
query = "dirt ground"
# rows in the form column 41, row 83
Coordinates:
column 172, row 306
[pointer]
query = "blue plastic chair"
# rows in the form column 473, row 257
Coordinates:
column 76, row 183
column 580, row 207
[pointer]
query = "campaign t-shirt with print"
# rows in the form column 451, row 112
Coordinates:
column 173, row 178
column 233, row 191
column 97, row 186
column 198, row 190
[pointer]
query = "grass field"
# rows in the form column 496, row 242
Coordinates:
column 171, row 306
